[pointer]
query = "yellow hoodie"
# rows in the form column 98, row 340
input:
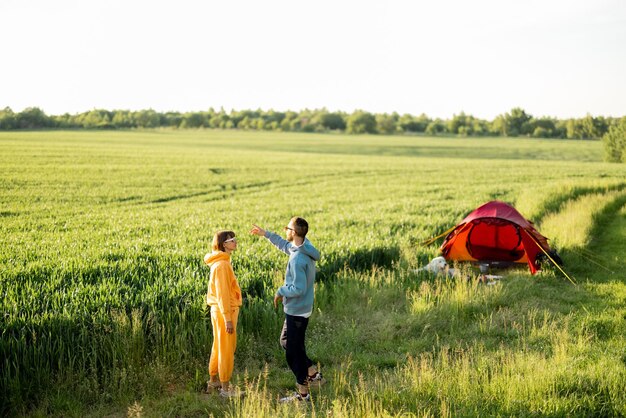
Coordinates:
column 224, row 292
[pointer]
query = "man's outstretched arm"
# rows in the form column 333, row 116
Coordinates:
column 280, row 243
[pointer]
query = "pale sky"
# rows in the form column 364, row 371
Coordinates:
column 562, row 58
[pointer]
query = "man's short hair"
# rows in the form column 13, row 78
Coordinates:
column 301, row 227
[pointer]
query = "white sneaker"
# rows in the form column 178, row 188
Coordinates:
column 296, row 397
column 230, row 393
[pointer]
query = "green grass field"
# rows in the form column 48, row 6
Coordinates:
column 102, row 236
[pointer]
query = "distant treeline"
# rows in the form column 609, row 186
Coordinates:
column 514, row 123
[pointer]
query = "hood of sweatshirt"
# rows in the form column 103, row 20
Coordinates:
column 215, row 256
column 308, row 249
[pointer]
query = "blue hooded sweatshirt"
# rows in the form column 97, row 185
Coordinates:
column 297, row 292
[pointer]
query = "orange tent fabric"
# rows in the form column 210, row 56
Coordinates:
column 495, row 232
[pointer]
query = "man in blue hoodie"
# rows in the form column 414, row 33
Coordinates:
column 297, row 297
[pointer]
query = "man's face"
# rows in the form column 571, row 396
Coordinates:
column 290, row 231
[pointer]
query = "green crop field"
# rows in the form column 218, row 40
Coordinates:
column 102, row 236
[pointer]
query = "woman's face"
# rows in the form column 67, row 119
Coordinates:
column 230, row 245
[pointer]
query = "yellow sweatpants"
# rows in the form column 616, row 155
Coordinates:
column 222, row 360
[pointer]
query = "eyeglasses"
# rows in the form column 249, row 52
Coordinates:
column 231, row 240
column 290, row 229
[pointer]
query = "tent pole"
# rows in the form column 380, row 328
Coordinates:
column 430, row 241
column 548, row 255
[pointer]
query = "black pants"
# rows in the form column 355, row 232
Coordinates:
column 292, row 340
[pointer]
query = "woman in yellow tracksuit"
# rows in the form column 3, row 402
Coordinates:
column 224, row 297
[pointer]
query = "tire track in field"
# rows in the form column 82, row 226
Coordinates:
column 603, row 220
column 582, row 226
column 230, row 189
column 226, row 191
column 321, row 178
column 554, row 204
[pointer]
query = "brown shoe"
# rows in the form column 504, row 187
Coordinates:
column 211, row 386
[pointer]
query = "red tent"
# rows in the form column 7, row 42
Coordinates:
column 495, row 232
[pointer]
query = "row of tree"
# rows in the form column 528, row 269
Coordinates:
column 514, row 123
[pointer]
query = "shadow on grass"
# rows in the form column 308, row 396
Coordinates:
column 360, row 260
